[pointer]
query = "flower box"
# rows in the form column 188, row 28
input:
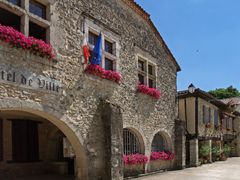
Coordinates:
column 19, row 40
column 167, row 156
column 159, row 165
column 149, row 91
column 97, row 70
column 208, row 125
column 134, row 164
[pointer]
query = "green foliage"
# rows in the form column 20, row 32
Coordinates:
column 204, row 150
column 227, row 149
column 216, row 151
column 222, row 93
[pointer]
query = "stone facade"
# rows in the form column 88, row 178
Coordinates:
column 77, row 110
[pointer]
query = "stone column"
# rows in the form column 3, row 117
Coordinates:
column 209, row 142
column 112, row 117
column 194, row 160
column 180, row 149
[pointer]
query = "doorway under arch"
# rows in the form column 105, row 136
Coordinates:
column 36, row 144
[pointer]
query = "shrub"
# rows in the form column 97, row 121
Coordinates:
column 204, row 150
column 162, row 155
column 226, row 150
column 135, row 159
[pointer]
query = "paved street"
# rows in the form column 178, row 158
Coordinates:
column 228, row 170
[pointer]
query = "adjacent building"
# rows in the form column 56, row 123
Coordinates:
column 56, row 117
column 207, row 121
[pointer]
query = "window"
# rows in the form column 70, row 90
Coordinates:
column 108, row 64
column 216, row 118
column 37, row 31
column 15, row 2
column 1, row 140
column 25, row 145
column 146, row 73
column 18, row 21
column 37, row 9
column 131, row 144
column 109, row 57
column 108, row 47
column 9, row 19
column 158, row 144
column 92, row 38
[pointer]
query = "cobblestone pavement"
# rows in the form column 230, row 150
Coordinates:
column 227, row 170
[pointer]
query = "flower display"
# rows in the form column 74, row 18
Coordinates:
column 105, row 74
column 149, row 91
column 208, row 125
column 19, row 40
column 162, row 155
column 135, row 159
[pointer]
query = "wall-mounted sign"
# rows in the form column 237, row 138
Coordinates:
column 28, row 80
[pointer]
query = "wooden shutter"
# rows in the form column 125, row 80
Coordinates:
column 1, row 140
column 209, row 115
column 215, row 118
column 204, row 114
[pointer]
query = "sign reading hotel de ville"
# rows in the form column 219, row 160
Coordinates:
column 28, row 80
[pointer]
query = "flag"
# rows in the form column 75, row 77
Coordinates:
column 96, row 58
column 86, row 51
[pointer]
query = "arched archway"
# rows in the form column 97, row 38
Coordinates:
column 46, row 113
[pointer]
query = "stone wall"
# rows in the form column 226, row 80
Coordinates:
column 79, row 102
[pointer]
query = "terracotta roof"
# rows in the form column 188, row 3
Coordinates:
column 232, row 101
column 140, row 11
column 202, row 94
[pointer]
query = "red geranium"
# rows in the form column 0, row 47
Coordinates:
column 105, row 74
column 19, row 40
column 149, row 91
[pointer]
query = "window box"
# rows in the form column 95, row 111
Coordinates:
column 102, row 73
column 135, row 159
column 208, row 125
column 18, row 40
column 149, row 91
column 167, row 156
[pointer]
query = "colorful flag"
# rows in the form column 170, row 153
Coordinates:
column 96, row 58
column 86, row 51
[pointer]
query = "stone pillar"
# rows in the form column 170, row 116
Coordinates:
column 112, row 117
column 180, row 149
column 209, row 142
column 194, row 160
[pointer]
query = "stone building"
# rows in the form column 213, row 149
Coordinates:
column 207, row 121
column 57, row 119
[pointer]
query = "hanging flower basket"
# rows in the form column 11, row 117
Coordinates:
column 102, row 73
column 19, row 40
column 149, row 91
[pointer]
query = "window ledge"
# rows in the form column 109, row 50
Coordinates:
column 38, row 20
column 12, row 8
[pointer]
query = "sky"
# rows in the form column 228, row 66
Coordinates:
column 204, row 37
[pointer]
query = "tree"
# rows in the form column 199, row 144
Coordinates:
column 222, row 93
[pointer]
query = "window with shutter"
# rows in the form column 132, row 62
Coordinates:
column 25, row 145
column 1, row 140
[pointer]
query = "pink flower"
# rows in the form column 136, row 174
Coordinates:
column 149, row 91
column 105, row 74
column 162, row 155
column 19, row 40
column 135, row 159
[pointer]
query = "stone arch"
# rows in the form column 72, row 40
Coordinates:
column 167, row 138
column 59, row 120
column 139, row 136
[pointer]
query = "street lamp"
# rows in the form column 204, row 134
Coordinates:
column 191, row 88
